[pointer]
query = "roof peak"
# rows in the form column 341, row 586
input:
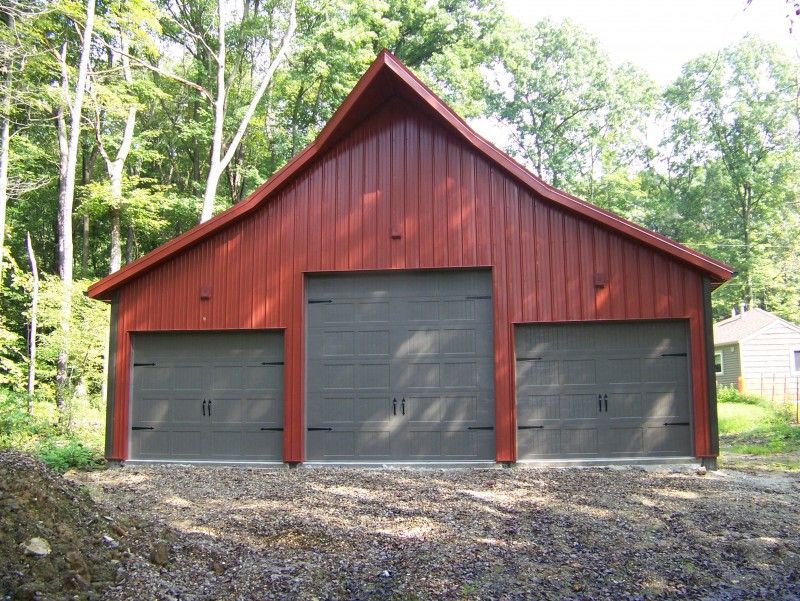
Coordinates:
column 387, row 77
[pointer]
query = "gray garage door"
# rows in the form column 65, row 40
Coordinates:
column 400, row 367
column 603, row 390
column 207, row 396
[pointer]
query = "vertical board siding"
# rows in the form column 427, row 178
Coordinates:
column 447, row 206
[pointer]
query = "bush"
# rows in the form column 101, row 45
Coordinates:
column 62, row 455
column 18, row 428
column 727, row 394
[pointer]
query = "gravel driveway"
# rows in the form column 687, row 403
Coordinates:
column 309, row 533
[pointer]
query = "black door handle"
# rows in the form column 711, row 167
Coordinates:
column 272, row 429
column 394, row 406
column 142, row 428
column 209, row 407
column 529, row 427
column 599, row 402
column 403, row 406
column 204, row 407
column 605, row 400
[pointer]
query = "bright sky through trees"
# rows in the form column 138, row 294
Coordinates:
column 661, row 37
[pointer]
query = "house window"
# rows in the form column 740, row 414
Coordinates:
column 795, row 359
column 718, row 362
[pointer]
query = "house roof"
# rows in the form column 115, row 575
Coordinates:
column 737, row 328
column 385, row 78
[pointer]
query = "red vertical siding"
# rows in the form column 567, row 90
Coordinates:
column 448, row 206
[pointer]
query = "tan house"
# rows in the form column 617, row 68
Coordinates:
column 758, row 352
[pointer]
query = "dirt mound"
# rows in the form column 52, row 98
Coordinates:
column 55, row 544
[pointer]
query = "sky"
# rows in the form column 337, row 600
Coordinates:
column 661, row 36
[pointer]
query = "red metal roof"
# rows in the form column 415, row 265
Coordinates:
column 387, row 77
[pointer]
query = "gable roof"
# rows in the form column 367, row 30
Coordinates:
column 740, row 327
column 388, row 77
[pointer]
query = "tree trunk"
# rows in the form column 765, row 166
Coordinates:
column 116, row 244
column 32, row 330
column 130, row 244
column 215, row 168
column 218, row 160
column 5, row 135
column 68, row 154
column 116, row 168
column 85, row 246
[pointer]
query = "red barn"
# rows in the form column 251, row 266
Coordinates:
column 403, row 291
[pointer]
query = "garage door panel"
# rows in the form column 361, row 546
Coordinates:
column 436, row 354
column 579, row 441
column 239, row 376
column 538, row 373
column 616, row 385
column 622, row 441
column 667, row 440
column 624, row 405
column 376, row 311
column 154, row 409
column 538, row 407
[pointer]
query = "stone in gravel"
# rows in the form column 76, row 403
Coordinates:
column 159, row 554
column 117, row 529
column 37, row 547
column 110, row 541
column 217, row 568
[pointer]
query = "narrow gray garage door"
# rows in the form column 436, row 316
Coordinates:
column 400, row 367
column 603, row 390
column 207, row 396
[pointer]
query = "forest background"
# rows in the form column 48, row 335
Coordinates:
column 125, row 122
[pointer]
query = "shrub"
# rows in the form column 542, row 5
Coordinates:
column 62, row 455
column 727, row 394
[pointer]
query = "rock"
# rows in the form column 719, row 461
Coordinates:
column 159, row 554
column 37, row 547
column 217, row 568
column 110, row 541
column 117, row 529
column 76, row 562
column 701, row 471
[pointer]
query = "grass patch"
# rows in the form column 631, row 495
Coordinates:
column 757, row 433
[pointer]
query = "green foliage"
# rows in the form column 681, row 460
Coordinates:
column 757, row 428
column 572, row 115
column 728, row 394
column 70, row 453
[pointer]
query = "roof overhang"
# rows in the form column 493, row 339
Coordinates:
column 387, row 77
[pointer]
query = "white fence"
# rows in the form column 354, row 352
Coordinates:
column 779, row 388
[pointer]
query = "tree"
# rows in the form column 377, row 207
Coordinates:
column 733, row 148
column 568, row 110
column 68, row 134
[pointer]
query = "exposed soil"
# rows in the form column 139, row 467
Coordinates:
column 314, row 533
column 78, row 553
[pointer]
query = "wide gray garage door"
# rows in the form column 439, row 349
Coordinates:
column 207, row 396
column 603, row 390
column 400, row 367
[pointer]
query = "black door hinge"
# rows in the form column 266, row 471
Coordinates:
column 319, row 301
column 479, row 297
column 529, row 427
column 673, row 354
column 320, row 429
column 676, row 423
column 272, row 363
column 142, row 428
column 529, row 358
column 272, row 429
column 144, row 364
column 480, row 428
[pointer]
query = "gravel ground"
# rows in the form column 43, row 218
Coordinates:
column 325, row 533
